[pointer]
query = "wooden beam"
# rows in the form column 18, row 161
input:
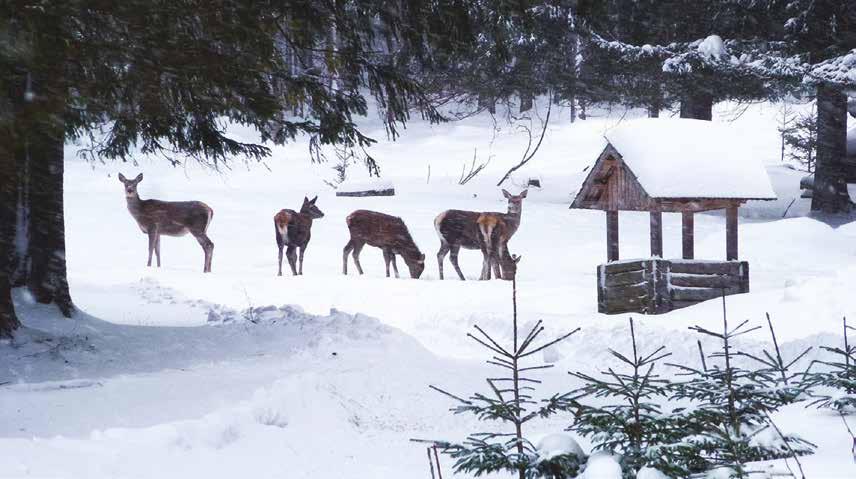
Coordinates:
column 657, row 234
column 612, row 235
column 687, row 226
column 731, row 233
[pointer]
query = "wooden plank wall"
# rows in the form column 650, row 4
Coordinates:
column 656, row 286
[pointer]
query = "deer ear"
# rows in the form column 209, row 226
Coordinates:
column 122, row 178
column 314, row 199
column 139, row 178
column 506, row 194
column 305, row 200
column 523, row 195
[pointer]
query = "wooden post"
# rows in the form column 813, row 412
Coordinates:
column 612, row 235
column 687, row 225
column 731, row 233
column 657, row 234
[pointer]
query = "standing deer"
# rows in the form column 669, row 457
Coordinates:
column 171, row 218
column 459, row 229
column 494, row 233
column 390, row 234
column 293, row 229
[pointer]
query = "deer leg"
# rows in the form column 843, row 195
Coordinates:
column 486, row 262
column 495, row 262
column 292, row 258
column 345, row 252
column 358, row 247
column 387, row 257
column 279, row 272
column 300, row 258
column 394, row 266
column 152, row 238
column 441, row 256
column 454, row 259
column 208, row 248
column 157, row 249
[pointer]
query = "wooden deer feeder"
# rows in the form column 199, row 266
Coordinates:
column 671, row 166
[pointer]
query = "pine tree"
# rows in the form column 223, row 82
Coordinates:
column 800, row 137
column 509, row 401
column 728, row 423
column 840, row 376
column 632, row 425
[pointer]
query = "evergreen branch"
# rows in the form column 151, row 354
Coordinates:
column 562, row 338
column 504, row 352
column 449, row 394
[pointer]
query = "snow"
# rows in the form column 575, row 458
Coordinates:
column 602, row 465
column 840, row 70
column 650, row 473
column 681, row 158
column 171, row 373
column 712, row 47
column 558, row 444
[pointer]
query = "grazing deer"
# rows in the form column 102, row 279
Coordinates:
column 459, row 229
column 293, row 229
column 390, row 234
column 494, row 233
column 171, row 218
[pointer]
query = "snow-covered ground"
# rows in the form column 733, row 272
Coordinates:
column 163, row 373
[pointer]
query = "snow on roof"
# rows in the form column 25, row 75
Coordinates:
column 682, row 158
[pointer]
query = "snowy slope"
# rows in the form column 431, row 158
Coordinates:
column 165, row 374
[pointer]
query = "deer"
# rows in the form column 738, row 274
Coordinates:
column 459, row 229
column 390, row 234
column 494, row 232
column 171, row 218
column 294, row 230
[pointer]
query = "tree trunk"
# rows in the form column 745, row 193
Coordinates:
column 48, row 280
column 8, row 186
column 697, row 105
column 829, row 194
column 526, row 101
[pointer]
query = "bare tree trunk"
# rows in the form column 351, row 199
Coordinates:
column 829, row 194
column 697, row 105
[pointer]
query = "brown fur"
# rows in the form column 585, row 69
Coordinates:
column 494, row 233
column 389, row 233
column 459, row 229
column 294, row 230
column 171, row 218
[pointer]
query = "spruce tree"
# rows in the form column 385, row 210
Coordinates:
column 632, row 424
column 509, row 400
column 728, row 423
column 839, row 376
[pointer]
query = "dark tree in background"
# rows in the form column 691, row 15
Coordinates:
column 823, row 33
column 158, row 76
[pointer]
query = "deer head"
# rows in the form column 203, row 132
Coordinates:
column 131, row 185
column 310, row 209
column 416, row 265
column 515, row 202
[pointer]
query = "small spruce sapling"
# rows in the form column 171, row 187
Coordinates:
column 508, row 400
column 633, row 425
column 839, row 375
column 728, row 424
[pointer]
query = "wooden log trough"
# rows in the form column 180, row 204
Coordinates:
column 656, row 286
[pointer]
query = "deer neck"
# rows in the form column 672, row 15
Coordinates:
column 512, row 218
column 135, row 205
